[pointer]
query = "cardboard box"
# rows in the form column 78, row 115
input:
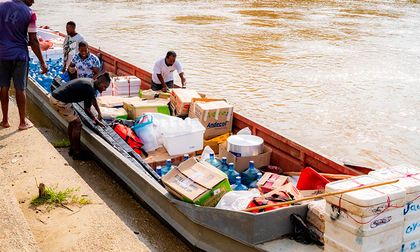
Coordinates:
column 181, row 99
column 214, row 143
column 286, row 189
column 151, row 95
column 160, row 155
column 196, row 182
column 215, row 115
column 138, row 108
column 110, row 101
column 270, row 181
column 241, row 163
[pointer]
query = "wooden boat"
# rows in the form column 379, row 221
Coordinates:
column 205, row 228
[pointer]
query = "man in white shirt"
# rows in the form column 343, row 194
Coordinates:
column 163, row 77
column 71, row 44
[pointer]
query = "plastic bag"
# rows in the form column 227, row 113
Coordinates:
column 237, row 200
column 301, row 232
column 206, row 153
column 145, row 130
column 244, row 131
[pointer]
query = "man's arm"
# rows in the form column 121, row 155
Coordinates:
column 95, row 66
column 34, row 43
column 183, row 79
column 180, row 71
column 65, row 53
column 92, row 116
column 95, row 71
column 164, row 87
column 95, row 104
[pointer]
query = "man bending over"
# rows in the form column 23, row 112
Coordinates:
column 82, row 89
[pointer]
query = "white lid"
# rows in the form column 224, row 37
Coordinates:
column 408, row 174
column 245, row 140
column 369, row 196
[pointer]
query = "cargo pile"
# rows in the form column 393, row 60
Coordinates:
column 188, row 140
column 175, row 130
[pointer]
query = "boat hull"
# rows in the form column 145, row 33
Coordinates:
column 172, row 211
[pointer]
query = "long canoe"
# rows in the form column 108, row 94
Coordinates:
column 205, row 228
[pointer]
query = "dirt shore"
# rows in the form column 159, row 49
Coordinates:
column 27, row 158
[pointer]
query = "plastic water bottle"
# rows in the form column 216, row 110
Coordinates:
column 232, row 174
column 224, row 166
column 238, row 186
column 159, row 170
column 213, row 161
column 254, row 183
column 167, row 167
column 186, row 157
column 250, row 174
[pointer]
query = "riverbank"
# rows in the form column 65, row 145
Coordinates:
column 27, row 157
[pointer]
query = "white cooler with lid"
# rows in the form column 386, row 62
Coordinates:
column 409, row 177
column 338, row 239
column 365, row 220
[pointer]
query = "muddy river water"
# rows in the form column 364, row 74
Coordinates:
column 341, row 77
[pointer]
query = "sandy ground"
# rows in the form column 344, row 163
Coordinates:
column 148, row 229
column 15, row 234
column 26, row 157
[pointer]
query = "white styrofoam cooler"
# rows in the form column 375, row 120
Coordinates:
column 411, row 229
column 365, row 224
column 366, row 202
column 409, row 177
column 411, row 246
column 369, row 220
column 389, row 241
column 370, row 241
column 126, row 85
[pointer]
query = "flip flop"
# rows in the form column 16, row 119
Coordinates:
column 28, row 125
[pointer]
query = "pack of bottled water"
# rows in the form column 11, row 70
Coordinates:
column 54, row 69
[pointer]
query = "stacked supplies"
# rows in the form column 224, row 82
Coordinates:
column 126, row 85
column 364, row 220
column 409, row 178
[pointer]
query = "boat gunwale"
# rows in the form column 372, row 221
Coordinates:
column 301, row 159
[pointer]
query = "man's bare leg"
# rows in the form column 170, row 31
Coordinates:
column 4, row 99
column 21, row 103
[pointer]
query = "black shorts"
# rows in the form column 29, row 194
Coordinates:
column 156, row 87
column 16, row 70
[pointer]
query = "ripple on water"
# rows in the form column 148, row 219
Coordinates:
column 200, row 19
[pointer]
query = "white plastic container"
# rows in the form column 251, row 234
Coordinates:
column 185, row 137
column 361, row 224
column 366, row 202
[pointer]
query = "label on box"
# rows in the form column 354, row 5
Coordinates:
column 411, row 246
column 216, row 116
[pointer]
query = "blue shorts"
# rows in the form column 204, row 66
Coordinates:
column 157, row 87
column 16, row 70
